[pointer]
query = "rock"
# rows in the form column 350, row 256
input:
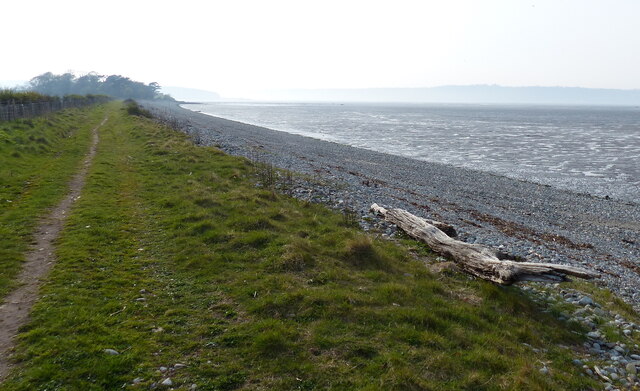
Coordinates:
column 111, row 352
column 631, row 369
column 167, row 382
column 137, row 380
column 635, row 357
column 544, row 370
column 179, row 366
column 578, row 362
column 614, row 376
column 593, row 334
column 585, row 300
column 162, row 369
column 193, row 387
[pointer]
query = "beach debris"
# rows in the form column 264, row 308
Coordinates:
column 475, row 259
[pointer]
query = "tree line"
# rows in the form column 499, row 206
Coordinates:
column 92, row 83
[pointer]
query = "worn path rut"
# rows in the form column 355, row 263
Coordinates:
column 14, row 311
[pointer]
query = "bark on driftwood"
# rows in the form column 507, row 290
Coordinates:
column 476, row 259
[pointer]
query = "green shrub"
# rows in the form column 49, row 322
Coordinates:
column 133, row 108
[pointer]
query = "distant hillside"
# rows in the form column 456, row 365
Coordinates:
column 191, row 94
column 467, row 94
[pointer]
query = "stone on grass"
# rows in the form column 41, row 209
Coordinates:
column 593, row 334
column 585, row 301
column 167, row 382
column 111, row 352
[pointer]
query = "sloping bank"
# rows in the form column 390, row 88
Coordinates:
column 530, row 221
column 176, row 270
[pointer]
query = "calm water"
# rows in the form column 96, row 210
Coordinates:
column 595, row 150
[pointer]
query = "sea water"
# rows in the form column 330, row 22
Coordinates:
column 594, row 150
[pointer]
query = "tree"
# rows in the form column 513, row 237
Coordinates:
column 92, row 83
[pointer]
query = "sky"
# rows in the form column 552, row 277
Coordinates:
column 241, row 47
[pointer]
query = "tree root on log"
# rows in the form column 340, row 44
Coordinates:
column 476, row 259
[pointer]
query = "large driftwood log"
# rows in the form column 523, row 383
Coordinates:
column 476, row 259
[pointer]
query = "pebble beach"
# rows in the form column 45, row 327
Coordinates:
column 530, row 221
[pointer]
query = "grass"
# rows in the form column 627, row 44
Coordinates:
column 37, row 159
column 174, row 255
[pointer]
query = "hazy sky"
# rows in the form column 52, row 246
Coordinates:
column 236, row 47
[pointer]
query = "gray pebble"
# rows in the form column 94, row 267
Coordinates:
column 167, row 382
column 585, row 301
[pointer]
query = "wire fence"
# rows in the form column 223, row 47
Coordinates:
column 10, row 111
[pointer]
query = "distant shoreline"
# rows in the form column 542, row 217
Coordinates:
column 466, row 94
column 599, row 186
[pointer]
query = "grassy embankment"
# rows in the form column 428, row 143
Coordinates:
column 37, row 159
column 173, row 255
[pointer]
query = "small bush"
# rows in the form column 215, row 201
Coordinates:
column 133, row 108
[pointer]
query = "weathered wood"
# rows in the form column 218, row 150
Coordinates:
column 448, row 229
column 476, row 259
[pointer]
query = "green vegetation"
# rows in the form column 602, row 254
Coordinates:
column 37, row 159
column 133, row 108
column 13, row 96
column 92, row 83
column 174, row 255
